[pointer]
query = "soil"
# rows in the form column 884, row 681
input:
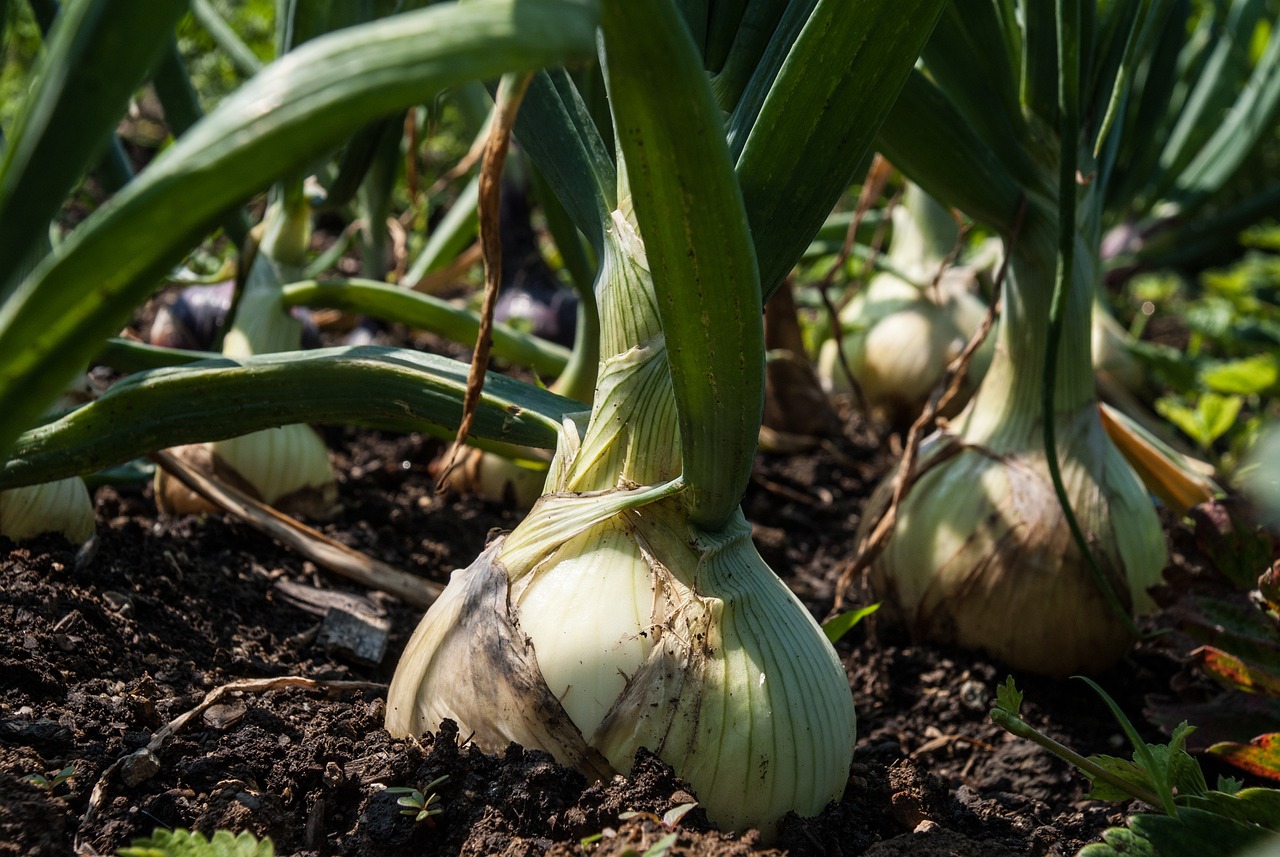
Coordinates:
column 101, row 647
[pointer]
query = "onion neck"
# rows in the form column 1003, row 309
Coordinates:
column 632, row 437
column 1005, row 413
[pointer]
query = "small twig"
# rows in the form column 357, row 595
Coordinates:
column 790, row 493
column 411, row 178
column 472, row 157
column 162, row 736
column 511, row 92
column 437, row 281
column 314, row 545
column 908, row 474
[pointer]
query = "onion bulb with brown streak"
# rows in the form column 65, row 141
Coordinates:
column 607, row 621
column 981, row 555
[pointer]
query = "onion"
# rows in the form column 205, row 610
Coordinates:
column 607, row 621
column 981, row 555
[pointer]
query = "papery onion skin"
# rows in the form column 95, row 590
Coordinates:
column 62, row 506
column 732, row 682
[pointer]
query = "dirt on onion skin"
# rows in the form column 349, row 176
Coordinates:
column 101, row 647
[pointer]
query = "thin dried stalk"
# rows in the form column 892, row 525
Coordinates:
column 314, row 545
column 506, row 107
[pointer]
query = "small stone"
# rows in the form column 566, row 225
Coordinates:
column 360, row 637
column 224, row 715
column 140, row 767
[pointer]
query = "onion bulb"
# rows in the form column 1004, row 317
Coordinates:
column 902, row 331
column 62, row 506
column 607, row 621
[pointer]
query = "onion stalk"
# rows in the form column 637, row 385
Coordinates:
column 697, row 651
column 1025, row 532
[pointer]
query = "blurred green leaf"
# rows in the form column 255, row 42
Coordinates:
column 98, row 53
column 1256, row 374
column 298, row 108
column 1211, row 418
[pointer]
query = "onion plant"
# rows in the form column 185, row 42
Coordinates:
column 913, row 318
column 1027, row 534
column 735, row 131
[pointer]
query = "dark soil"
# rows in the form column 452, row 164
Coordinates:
column 101, row 648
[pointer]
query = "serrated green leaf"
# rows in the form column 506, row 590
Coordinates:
column 184, row 843
column 1119, row 842
column 1196, row 833
column 1008, row 697
column 1125, row 769
column 1254, row 806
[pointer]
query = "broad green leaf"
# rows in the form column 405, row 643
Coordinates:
column 820, row 117
column 298, row 108
column 556, row 130
column 1211, row 418
column 1256, row 374
column 98, row 53
column 696, row 239
column 963, row 174
column 388, row 388
column 1119, row 842
column 392, row 303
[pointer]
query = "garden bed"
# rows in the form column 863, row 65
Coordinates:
column 100, row 649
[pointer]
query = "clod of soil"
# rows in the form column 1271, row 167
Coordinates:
column 101, row 648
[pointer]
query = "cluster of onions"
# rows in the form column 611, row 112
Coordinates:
column 694, row 649
column 982, row 555
column 287, row 467
column 903, row 329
